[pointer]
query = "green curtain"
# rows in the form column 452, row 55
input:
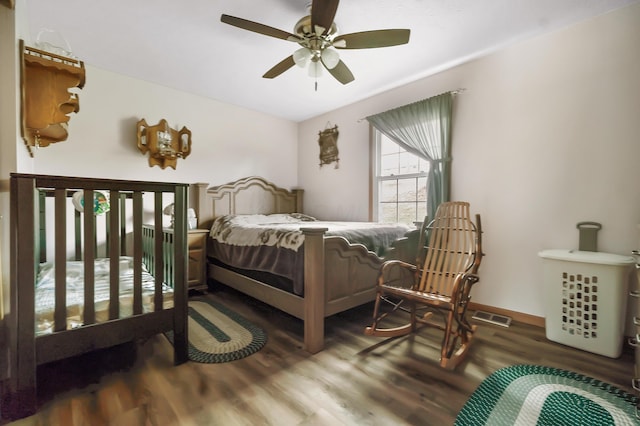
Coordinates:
column 424, row 129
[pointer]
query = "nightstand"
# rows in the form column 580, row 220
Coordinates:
column 197, row 252
column 197, row 268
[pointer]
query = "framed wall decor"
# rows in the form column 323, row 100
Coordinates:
column 328, row 141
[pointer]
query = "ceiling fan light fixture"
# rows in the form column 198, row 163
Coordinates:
column 315, row 69
column 330, row 58
column 301, row 57
column 317, row 37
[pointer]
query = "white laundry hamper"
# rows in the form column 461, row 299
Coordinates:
column 586, row 299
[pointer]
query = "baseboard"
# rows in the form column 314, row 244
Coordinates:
column 516, row 316
column 491, row 318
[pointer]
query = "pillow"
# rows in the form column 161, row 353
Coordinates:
column 303, row 217
column 259, row 219
column 290, row 217
column 244, row 219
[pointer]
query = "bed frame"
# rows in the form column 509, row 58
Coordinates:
column 349, row 281
column 26, row 349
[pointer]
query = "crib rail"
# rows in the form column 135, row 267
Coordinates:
column 149, row 258
column 27, row 248
column 77, row 221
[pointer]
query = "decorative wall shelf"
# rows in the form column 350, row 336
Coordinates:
column 164, row 144
column 46, row 100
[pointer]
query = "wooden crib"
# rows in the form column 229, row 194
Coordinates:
column 148, row 313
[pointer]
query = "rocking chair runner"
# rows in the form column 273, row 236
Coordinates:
column 446, row 270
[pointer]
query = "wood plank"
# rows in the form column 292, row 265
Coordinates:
column 60, row 216
column 22, row 272
column 113, row 239
column 283, row 300
column 180, row 278
column 516, row 316
column 314, row 288
column 89, row 256
column 56, row 346
column 137, row 253
column 356, row 379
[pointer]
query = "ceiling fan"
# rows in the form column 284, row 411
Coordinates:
column 317, row 36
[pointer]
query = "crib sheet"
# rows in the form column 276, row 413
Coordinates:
column 45, row 292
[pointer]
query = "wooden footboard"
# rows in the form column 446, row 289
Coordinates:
column 27, row 350
column 338, row 275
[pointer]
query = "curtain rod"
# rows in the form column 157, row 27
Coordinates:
column 453, row 92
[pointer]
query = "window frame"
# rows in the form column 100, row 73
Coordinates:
column 376, row 178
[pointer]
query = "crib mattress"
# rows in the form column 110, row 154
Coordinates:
column 45, row 293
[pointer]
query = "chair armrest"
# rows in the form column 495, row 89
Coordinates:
column 397, row 264
column 462, row 287
column 396, row 272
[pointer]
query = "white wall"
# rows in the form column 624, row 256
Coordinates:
column 228, row 142
column 546, row 135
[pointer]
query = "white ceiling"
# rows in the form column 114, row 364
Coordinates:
column 183, row 44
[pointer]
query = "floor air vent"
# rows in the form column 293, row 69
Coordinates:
column 492, row 318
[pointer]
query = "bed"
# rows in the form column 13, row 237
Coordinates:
column 336, row 274
column 94, row 288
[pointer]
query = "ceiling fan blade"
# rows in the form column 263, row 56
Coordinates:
column 372, row 39
column 280, row 67
column 258, row 28
column 322, row 13
column 341, row 73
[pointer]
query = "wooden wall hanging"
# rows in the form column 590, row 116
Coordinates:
column 164, row 144
column 328, row 141
column 46, row 101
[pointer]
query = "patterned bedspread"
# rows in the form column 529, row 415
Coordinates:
column 283, row 231
column 274, row 243
column 45, row 292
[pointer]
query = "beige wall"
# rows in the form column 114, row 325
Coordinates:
column 7, row 138
column 546, row 135
column 228, row 142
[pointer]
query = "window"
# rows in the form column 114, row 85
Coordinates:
column 400, row 187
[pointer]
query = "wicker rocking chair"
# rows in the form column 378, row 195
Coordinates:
column 446, row 270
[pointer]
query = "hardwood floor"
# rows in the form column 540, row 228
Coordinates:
column 356, row 380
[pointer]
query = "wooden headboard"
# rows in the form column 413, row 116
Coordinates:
column 250, row 195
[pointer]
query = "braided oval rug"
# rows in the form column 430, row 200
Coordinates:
column 536, row 395
column 218, row 334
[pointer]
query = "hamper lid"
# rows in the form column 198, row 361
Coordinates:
column 587, row 257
